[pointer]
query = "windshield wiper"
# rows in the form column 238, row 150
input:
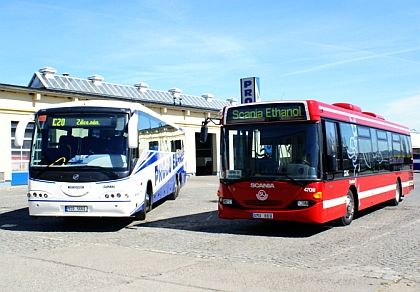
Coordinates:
column 113, row 174
column 293, row 180
column 63, row 159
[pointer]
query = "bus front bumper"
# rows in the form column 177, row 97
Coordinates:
column 314, row 214
column 80, row 209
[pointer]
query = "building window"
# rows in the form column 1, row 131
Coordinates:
column 20, row 155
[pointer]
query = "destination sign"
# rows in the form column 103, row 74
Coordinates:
column 65, row 121
column 266, row 112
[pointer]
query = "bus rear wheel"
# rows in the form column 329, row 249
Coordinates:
column 176, row 190
column 350, row 210
column 397, row 199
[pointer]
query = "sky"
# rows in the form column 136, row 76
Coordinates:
column 365, row 53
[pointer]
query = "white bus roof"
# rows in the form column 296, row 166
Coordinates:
column 112, row 104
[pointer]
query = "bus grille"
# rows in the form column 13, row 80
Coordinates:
column 271, row 203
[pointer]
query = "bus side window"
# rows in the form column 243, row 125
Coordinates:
column 144, row 133
column 154, row 145
column 331, row 142
column 376, row 158
column 389, row 137
column 349, row 149
column 365, row 150
column 396, row 157
column 176, row 145
column 406, row 152
column 383, row 153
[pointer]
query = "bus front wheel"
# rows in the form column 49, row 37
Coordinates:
column 141, row 215
column 350, row 210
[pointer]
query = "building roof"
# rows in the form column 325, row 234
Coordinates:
column 94, row 86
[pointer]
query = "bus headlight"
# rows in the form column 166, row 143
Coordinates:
column 117, row 195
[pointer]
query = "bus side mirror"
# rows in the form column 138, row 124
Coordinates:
column 203, row 134
column 133, row 135
column 20, row 130
column 331, row 163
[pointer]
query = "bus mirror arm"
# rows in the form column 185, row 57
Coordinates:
column 204, row 129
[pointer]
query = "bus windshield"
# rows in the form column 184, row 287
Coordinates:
column 80, row 139
column 270, row 151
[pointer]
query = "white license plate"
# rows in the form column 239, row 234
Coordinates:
column 76, row 209
column 262, row 215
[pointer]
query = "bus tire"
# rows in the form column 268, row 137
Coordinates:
column 397, row 198
column 141, row 215
column 350, row 210
column 176, row 189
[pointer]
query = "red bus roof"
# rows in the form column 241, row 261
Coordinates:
column 314, row 111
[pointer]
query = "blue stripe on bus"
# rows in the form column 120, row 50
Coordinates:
column 170, row 180
column 151, row 157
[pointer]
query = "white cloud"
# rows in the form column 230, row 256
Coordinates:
column 370, row 56
column 404, row 111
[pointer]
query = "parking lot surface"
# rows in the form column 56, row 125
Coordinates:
column 183, row 246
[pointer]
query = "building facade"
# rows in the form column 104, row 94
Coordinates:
column 47, row 88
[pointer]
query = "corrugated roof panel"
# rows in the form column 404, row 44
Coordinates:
column 115, row 89
column 95, row 88
column 125, row 92
column 107, row 90
column 153, row 95
column 78, row 86
column 119, row 90
column 104, row 89
column 84, row 86
column 61, row 82
column 48, row 83
column 135, row 94
column 72, row 85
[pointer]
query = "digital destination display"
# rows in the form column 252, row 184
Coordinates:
column 266, row 112
column 64, row 121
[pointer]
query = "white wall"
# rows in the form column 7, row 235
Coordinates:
column 415, row 140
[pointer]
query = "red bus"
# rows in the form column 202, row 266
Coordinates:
column 309, row 161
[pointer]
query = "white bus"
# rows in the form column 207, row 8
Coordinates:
column 102, row 159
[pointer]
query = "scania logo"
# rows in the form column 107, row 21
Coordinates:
column 76, row 176
column 262, row 195
column 258, row 185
